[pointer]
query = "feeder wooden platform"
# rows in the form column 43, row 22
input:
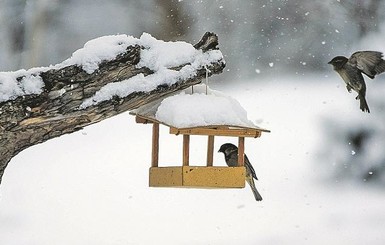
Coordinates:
column 198, row 176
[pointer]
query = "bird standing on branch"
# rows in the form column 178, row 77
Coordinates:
column 231, row 157
column 368, row 62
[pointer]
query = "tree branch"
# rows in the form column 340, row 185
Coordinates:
column 31, row 119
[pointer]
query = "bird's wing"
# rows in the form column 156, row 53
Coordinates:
column 369, row 62
column 232, row 158
column 250, row 168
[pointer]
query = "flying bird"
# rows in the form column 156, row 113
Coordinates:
column 369, row 63
column 231, row 157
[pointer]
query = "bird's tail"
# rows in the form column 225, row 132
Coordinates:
column 363, row 104
column 257, row 196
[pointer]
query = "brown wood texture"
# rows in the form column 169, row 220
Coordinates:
column 155, row 145
column 234, row 132
column 198, row 177
column 186, row 150
column 210, row 150
column 32, row 119
column 241, row 151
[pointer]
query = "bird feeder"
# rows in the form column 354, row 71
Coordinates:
column 208, row 176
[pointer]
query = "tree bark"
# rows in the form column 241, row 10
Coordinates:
column 32, row 119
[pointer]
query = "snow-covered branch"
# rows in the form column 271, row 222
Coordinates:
column 108, row 76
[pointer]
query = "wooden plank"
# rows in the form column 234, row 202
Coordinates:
column 166, row 177
column 241, row 151
column 217, row 132
column 214, row 177
column 199, row 130
column 197, row 177
column 210, row 150
column 186, row 149
column 142, row 120
column 155, row 145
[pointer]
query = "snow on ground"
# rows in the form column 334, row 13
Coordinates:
column 91, row 187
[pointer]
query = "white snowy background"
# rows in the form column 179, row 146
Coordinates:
column 91, row 187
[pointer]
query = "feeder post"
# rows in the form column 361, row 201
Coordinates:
column 210, row 150
column 155, row 145
column 186, row 149
column 241, row 151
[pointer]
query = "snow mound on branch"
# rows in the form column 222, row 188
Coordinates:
column 89, row 57
column 10, row 87
column 187, row 110
column 99, row 49
column 157, row 55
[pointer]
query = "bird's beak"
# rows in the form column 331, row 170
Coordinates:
column 330, row 62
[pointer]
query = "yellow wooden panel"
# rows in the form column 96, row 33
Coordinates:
column 198, row 177
column 214, row 177
column 165, row 176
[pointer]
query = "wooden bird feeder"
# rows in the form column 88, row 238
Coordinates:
column 208, row 176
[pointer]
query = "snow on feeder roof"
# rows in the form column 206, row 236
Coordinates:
column 198, row 109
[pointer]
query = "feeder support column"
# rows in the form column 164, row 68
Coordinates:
column 155, row 145
column 210, row 150
column 186, row 149
column 241, row 151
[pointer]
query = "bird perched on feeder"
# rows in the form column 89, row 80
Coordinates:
column 231, row 157
column 368, row 62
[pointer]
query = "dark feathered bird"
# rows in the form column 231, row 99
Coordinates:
column 369, row 63
column 231, row 157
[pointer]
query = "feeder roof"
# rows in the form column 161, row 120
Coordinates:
column 197, row 110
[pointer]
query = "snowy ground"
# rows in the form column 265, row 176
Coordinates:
column 91, row 187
